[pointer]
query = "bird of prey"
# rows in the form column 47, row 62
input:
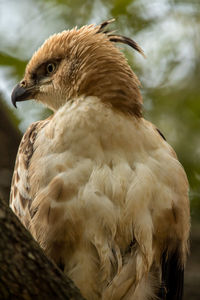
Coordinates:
column 96, row 184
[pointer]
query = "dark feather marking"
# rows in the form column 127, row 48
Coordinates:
column 119, row 38
column 15, row 191
column 32, row 211
column 127, row 41
column 175, row 213
column 161, row 134
column 16, row 211
column 61, row 266
column 172, row 277
column 28, row 147
column 48, row 214
column 23, row 201
column 104, row 24
column 28, row 141
column 130, row 246
column 17, row 176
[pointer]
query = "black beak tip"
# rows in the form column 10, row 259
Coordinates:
column 20, row 93
column 15, row 95
column 13, row 100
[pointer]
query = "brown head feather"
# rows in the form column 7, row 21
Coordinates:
column 87, row 64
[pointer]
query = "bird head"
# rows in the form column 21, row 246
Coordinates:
column 81, row 62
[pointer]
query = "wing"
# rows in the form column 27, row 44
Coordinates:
column 170, row 236
column 20, row 199
column 172, row 277
column 161, row 134
column 172, row 271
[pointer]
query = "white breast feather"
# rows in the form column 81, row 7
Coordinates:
column 104, row 178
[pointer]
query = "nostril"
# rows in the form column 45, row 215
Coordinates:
column 23, row 83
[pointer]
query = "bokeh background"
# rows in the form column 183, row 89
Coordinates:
column 169, row 33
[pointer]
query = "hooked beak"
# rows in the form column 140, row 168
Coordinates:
column 21, row 93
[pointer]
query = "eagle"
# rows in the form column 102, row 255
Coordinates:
column 96, row 184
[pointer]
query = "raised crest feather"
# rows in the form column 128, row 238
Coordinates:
column 119, row 38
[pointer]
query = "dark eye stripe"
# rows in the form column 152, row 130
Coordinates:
column 41, row 71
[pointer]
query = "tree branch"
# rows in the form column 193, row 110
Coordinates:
column 25, row 272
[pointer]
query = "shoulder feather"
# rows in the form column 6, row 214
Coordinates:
column 20, row 199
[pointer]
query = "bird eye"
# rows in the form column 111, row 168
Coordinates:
column 50, row 68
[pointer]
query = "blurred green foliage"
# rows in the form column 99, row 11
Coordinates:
column 167, row 30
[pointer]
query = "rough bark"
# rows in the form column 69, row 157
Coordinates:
column 25, row 272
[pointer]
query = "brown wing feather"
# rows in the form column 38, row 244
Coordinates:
column 20, row 199
column 172, row 277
